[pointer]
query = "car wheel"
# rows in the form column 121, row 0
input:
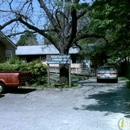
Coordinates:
column 2, row 87
column 116, row 80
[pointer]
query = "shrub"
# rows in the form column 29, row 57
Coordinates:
column 38, row 70
column 14, row 60
column 128, row 84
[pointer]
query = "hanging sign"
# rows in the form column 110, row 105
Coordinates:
column 58, row 59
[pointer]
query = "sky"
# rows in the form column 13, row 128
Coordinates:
column 33, row 17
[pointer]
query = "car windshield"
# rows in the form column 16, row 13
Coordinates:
column 107, row 68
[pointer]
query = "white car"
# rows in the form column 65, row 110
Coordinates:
column 107, row 73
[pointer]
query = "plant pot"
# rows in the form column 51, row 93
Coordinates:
column 59, row 84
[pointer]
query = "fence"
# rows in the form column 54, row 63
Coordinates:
column 78, row 71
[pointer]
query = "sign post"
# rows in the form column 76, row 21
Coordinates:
column 69, row 75
column 48, row 75
column 59, row 59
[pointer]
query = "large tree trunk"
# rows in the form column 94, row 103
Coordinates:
column 64, row 68
column 64, row 74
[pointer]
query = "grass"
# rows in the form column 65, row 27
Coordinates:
column 74, row 80
column 127, row 81
column 73, row 76
column 54, row 75
column 124, row 78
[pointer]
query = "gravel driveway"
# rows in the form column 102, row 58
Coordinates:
column 91, row 106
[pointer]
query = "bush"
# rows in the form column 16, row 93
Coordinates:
column 38, row 70
column 128, row 84
column 127, row 68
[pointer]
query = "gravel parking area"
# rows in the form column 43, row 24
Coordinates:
column 93, row 106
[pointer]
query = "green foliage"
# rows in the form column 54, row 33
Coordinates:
column 51, row 33
column 111, row 20
column 27, row 39
column 8, row 67
column 127, row 70
column 38, row 70
column 97, row 52
column 128, row 84
column 73, row 83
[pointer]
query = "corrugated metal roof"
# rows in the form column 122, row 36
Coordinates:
column 41, row 50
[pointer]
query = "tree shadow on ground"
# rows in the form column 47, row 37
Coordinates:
column 93, row 82
column 19, row 90
column 116, row 101
column 2, row 96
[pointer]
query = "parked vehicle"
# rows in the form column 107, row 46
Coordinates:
column 13, row 79
column 107, row 73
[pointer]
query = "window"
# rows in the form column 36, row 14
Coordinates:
column 8, row 54
column 75, row 59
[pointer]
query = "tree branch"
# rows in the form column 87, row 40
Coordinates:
column 79, row 37
column 18, row 33
column 82, row 13
column 51, row 39
column 50, row 16
column 8, row 23
column 73, row 25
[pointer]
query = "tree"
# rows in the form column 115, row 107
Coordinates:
column 112, row 20
column 64, row 16
column 27, row 38
column 96, row 50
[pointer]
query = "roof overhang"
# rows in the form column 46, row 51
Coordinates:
column 6, row 40
column 41, row 50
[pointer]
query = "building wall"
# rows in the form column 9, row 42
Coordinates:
column 11, row 48
column 30, row 58
column 43, row 58
column 6, row 51
column 2, row 52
